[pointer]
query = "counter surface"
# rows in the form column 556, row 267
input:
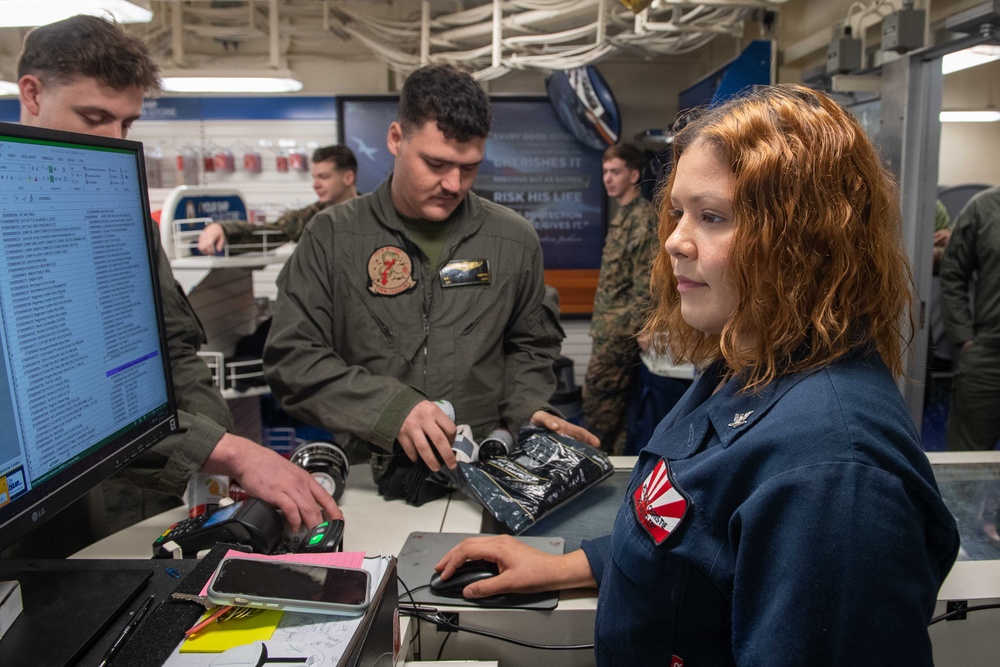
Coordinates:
column 375, row 525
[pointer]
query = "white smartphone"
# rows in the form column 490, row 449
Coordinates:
column 275, row 584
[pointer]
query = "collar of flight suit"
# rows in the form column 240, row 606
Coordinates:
column 467, row 216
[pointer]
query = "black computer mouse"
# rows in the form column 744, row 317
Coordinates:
column 471, row 572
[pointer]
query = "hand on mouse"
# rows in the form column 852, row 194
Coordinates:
column 523, row 569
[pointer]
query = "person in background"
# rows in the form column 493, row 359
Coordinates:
column 419, row 291
column 621, row 299
column 334, row 172
column 971, row 258
column 942, row 233
column 661, row 382
column 937, row 377
column 85, row 74
column 784, row 512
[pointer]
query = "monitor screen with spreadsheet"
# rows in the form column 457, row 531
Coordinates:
column 84, row 374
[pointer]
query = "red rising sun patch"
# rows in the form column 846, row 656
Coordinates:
column 659, row 505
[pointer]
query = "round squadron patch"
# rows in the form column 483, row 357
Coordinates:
column 390, row 270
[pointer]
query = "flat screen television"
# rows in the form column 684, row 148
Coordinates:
column 84, row 376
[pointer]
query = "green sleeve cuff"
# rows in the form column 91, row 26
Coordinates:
column 393, row 415
column 187, row 451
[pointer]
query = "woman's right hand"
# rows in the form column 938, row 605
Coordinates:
column 523, row 569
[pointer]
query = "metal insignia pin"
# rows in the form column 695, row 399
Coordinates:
column 740, row 419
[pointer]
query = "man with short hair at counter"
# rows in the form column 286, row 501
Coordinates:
column 334, row 172
column 416, row 292
column 85, row 74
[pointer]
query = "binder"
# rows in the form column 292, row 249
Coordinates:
column 377, row 641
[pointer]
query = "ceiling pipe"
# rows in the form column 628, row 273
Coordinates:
column 526, row 19
column 177, row 34
column 602, row 22
column 425, row 32
column 497, row 33
column 272, row 33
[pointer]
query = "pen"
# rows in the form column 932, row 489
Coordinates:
column 126, row 632
column 204, row 624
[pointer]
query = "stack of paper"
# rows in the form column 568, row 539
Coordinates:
column 316, row 640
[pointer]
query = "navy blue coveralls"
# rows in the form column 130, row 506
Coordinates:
column 797, row 526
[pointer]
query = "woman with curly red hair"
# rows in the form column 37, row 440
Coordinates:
column 784, row 512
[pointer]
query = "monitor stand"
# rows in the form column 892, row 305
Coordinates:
column 65, row 608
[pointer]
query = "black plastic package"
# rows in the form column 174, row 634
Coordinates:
column 545, row 471
column 398, row 478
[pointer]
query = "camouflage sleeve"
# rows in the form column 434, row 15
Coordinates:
column 623, row 294
column 644, row 251
column 287, row 228
column 239, row 232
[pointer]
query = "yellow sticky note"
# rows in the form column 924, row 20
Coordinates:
column 219, row 637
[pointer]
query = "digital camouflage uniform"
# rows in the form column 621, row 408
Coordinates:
column 288, row 227
column 619, row 307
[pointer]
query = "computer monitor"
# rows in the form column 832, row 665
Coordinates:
column 84, row 375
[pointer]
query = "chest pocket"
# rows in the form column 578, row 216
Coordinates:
column 657, row 505
column 478, row 350
column 369, row 329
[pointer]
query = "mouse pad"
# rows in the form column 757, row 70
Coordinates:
column 422, row 552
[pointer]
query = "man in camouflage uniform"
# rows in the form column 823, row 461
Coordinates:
column 621, row 299
column 334, row 172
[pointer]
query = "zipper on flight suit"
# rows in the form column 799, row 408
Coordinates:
column 425, row 308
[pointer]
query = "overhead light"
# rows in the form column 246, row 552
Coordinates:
column 231, row 81
column 970, row 116
column 8, row 88
column 971, row 57
column 20, row 13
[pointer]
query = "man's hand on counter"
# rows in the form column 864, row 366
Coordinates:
column 212, row 239
column 265, row 474
column 560, row 425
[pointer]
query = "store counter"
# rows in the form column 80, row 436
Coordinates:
column 968, row 482
column 375, row 526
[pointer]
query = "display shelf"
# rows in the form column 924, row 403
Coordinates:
column 263, row 250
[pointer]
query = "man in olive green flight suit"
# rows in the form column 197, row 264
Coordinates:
column 621, row 299
column 419, row 291
column 334, row 172
column 85, row 74
column 974, row 253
